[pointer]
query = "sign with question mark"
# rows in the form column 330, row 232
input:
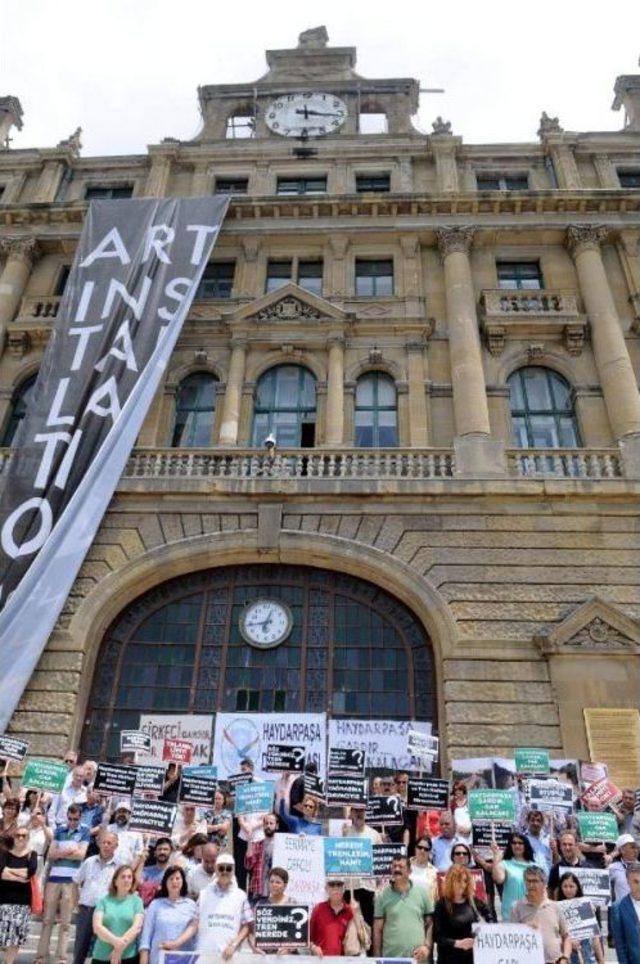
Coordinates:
column 347, row 760
column 282, row 758
column 281, row 924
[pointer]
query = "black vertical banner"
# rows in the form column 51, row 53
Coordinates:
column 136, row 270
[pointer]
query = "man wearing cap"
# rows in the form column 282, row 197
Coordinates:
column 329, row 921
column 402, row 925
column 628, row 851
column 130, row 844
column 224, row 912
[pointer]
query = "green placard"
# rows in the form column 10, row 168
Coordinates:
column 492, row 805
column 45, row 775
column 598, row 826
column 532, row 761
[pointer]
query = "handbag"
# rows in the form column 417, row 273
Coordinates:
column 36, row 904
column 357, row 937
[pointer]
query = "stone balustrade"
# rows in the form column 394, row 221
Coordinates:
column 531, row 313
column 497, row 301
column 40, row 308
column 566, row 463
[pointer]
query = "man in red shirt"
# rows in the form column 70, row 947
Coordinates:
column 329, row 922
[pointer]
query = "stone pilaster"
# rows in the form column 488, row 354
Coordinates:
column 564, row 162
column 444, row 147
column 202, row 180
column 612, row 360
column 334, row 433
column 404, row 175
column 628, row 247
column 337, row 273
column 247, row 284
column 49, row 181
column 158, row 177
column 233, row 393
column 607, row 174
column 418, row 423
column 20, row 256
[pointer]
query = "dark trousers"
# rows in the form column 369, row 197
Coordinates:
column 83, row 943
column 239, row 853
column 365, row 899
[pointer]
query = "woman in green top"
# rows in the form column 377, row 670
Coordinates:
column 508, row 869
column 117, row 920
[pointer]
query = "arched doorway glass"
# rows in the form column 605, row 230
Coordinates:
column 353, row 651
column 286, row 407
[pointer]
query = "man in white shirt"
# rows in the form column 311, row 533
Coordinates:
column 130, row 842
column 93, row 878
column 74, row 791
column 224, row 912
column 201, row 876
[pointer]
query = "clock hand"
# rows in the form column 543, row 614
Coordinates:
column 318, row 113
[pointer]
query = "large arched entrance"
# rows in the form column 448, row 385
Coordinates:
column 353, row 650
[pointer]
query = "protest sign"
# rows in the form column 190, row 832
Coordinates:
column 346, row 760
column 383, row 741
column 203, row 770
column 314, row 785
column 492, row 805
column 343, row 789
column 303, row 858
column 254, row 797
column 44, row 775
column 213, row 957
column 598, row 826
column 281, row 924
column 531, row 762
column 383, row 855
column 149, row 780
column 566, row 771
column 595, row 883
column 384, row 811
column 636, row 806
column 197, row 789
column 193, row 728
column 177, row 751
column 422, row 747
column 239, row 780
column 348, row 857
column 240, row 736
column 592, row 772
column 427, row 793
column 282, row 758
column 484, row 831
column 152, row 816
column 135, row 741
column 114, row 779
column 601, row 794
column 507, row 944
column 550, row 796
column 475, row 771
column 13, row 749
column 580, row 917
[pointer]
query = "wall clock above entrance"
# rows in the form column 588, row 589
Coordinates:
column 265, row 623
column 306, row 115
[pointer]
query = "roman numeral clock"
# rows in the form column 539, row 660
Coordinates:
column 306, row 115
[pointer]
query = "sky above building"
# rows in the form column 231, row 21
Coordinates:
column 127, row 71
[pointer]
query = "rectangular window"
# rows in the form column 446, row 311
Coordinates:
column 278, row 275
column 310, row 276
column 372, row 182
column 519, row 274
column 502, row 182
column 374, row 278
column 629, row 178
column 239, row 126
column 302, row 185
column 232, row 185
column 62, row 280
column 98, row 193
column 217, row 280
column 248, row 700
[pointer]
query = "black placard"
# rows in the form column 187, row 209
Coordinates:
column 342, row 788
column 238, row 779
column 347, row 760
column 198, row 790
column 278, row 924
column 383, row 854
column 427, row 793
column 149, row 779
column 314, row 785
column 483, row 833
column 385, row 811
column 12, row 749
column 135, row 741
column 111, row 778
column 281, row 758
column 152, row 816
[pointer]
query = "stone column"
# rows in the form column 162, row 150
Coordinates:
column 612, row 360
column 607, row 174
column 158, row 177
column 233, row 394
column 334, row 433
column 418, row 425
column 476, row 452
column 628, row 246
column 20, row 253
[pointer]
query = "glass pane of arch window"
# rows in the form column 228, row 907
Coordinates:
column 285, row 407
column 18, row 410
column 195, row 411
column 376, row 417
column 542, row 410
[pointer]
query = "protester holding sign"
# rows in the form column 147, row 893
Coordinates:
column 259, row 858
column 171, row 920
column 545, row 915
column 508, row 869
column 219, row 820
column 187, row 825
column 362, row 888
column 455, row 914
column 18, row 864
column 627, row 850
column 225, row 915
column 117, row 919
column 309, row 823
column 403, row 917
column 587, row 950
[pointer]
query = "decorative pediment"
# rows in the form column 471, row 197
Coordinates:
column 291, row 303
column 596, row 626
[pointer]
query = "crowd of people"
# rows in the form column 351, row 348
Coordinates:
column 73, row 855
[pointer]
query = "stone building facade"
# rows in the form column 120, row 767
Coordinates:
column 444, row 341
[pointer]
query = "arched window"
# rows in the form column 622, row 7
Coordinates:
column 542, row 412
column 376, row 421
column 286, row 407
column 18, row 409
column 353, row 650
column 195, row 411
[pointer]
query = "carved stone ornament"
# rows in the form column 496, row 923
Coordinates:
column 19, row 249
column 548, row 125
column 441, row 126
column 287, row 309
column 73, row 142
column 596, row 626
column 454, row 239
column 315, row 37
column 582, row 237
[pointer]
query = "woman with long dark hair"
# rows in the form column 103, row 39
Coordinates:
column 589, row 949
column 454, row 916
column 508, row 869
column 171, row 921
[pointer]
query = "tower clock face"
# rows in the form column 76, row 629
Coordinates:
column 306, row 115
column 265, row 623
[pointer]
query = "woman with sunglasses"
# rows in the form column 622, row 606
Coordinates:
column 9, row 819
column 309, row 823
column 461, row 855
column 18, row 864
column 454, row 916
column 117, row 920
column 422, row 870
column 508, row 869
column 589, row 949
column 40, row 837
column 171, row 920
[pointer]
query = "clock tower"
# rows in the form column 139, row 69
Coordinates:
column 308, row 92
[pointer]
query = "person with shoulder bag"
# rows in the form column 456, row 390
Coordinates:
column 357, row 938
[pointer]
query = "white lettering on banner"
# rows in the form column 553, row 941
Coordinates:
column 111, row 246
column 85, row 298
column 46, row 518
column 50, row 440
column 193, row 728
column 137, row 305
column 125, row 353
column 83, row 340
column 214, row 957
column 108, row 390
column 54, row 417
column 248, row 735
column 201, row 231
column 384, row 741
column 173, row 291
column 154, row 243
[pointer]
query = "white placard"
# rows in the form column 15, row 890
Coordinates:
column 194, row 729
column 303, row 857
column 384, row 741
column 507, row 944
column 247, row 735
